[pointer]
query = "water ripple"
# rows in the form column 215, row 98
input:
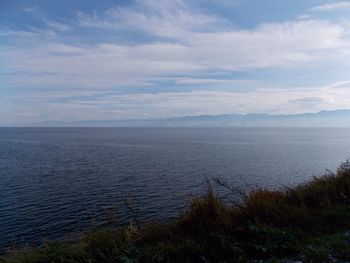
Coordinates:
column 55, row 182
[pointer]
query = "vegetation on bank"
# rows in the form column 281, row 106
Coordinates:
column 308, row 223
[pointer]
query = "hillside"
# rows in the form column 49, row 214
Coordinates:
column 309, row 223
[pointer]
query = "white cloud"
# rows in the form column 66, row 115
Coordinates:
column 31, row 9
column 57, row 25
column 187, row 42
column 83, row 105
column 210, row 81
column 332, row 6
column 17, row 33
column 182, row 46
column 112, row 64
column 158, row 18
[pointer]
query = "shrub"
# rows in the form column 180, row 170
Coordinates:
column 308, row 222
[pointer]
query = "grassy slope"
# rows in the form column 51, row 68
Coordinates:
column 309, row 222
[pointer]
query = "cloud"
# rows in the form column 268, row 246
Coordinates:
column 174, row 17
column 271, row 45
column 57, row 25
column 332, row 6
column 31, row 9
column 119, row 63
column 210, row 81
column 308, row 102
column 84, row 105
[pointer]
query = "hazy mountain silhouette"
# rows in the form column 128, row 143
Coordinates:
column 336, row 118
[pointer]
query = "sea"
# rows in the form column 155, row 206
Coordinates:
column 57, row 183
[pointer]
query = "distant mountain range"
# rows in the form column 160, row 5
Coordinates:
column 336, row 118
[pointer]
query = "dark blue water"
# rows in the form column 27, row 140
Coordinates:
column 59, row 181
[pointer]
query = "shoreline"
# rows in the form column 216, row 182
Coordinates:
column 308, row 222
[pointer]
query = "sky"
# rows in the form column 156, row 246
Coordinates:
column 73, row 60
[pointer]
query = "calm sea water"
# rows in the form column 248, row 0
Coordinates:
column 59, row 181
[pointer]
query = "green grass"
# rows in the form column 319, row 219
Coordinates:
column 309, row 222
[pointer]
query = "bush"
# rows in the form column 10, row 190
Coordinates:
column 308, row 222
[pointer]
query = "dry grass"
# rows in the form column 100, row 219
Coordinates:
column 309, row 222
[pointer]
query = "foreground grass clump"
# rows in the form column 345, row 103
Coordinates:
column 310, row 223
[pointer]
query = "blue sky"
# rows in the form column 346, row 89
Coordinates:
column 100, row 60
